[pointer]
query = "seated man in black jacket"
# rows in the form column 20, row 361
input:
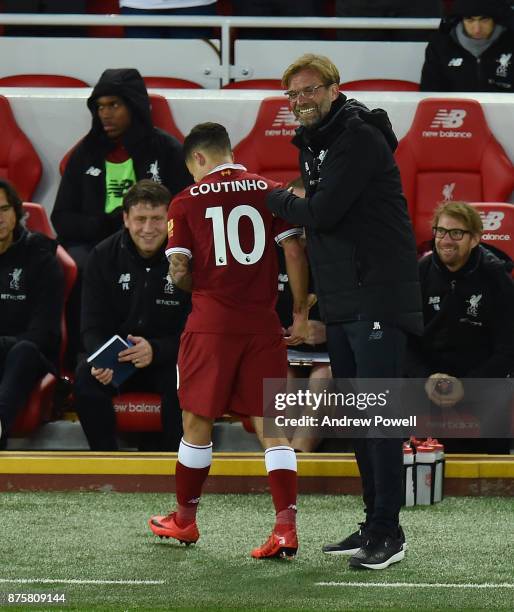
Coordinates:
column 121, row 148
column 472, row 51
column 31, row 301
column 468, row 306
column 127, row 292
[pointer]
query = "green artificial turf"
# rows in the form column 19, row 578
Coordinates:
column 104, row 536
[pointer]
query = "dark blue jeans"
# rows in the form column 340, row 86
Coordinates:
column 356, row 352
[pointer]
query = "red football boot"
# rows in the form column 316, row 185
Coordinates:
column 166, row 527
column 282, row 546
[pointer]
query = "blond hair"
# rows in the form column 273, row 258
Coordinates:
column 326, row 69
column 461, row 211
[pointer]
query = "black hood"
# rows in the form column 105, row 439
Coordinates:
column 496, row 9
column 128, row 84
column 350, row 114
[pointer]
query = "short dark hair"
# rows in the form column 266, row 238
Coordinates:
column 148, row 192
column 13, row 199
column 211, row 136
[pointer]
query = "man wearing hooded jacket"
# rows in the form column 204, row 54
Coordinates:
column 472, row 51
column 362, row 255
column 121, row 148
column 31, row 299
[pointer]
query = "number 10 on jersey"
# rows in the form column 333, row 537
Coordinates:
column 229, row 233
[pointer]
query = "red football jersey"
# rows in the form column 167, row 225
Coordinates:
column 222, row 223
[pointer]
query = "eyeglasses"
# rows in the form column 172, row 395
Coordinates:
column 455, row 234
column 307, row 92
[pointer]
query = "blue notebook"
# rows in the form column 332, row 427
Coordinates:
column 107, row 357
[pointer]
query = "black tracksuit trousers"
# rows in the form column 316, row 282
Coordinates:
column 356, row 352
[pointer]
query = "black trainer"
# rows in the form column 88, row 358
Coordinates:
column 348, row 546
column 379, row 552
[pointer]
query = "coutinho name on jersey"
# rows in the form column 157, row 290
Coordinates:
column 229, row 186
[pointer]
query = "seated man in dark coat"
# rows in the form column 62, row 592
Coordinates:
column 127, row 292
column 31, row 301
column 468, row 306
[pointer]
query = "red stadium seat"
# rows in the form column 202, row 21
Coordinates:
column 498, row 222
column 379, row 85
column 41, row 80
column 138, row 411
column 255, row 84
column 36, row 219
column 162, row 117
column 163, row 82
column 267, row 150
column 19, row 162
column 449, row 153
column 40, row 403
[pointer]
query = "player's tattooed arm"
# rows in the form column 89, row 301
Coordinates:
column 180, row 271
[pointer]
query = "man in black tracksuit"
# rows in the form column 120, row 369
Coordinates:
column 472, row 51
column 31, row 302
column 127, row 292
column 362, row 255
column 468, row 306
column 121, row 148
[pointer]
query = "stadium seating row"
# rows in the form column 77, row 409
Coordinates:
column 164, row 82
column 449, row 153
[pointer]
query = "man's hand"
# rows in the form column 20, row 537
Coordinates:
column 316, row 333
column 102, row 375
column 141, row 354
column 444, row 390
column 179, row 271
column 298, row 331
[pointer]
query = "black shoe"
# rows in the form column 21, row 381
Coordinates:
column 348, row 546
column 379, row 552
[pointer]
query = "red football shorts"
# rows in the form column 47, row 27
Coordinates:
column 223, row 373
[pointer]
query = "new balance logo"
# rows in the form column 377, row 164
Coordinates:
column 455, row 62
column 92, row 171
column 284, row 123
column 492, row 220
column 284, row 117
column 448, row 119
column 445, row 124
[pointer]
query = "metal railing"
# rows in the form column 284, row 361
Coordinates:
column 226, row 24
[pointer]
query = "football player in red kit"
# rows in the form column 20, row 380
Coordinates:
column 221, row 247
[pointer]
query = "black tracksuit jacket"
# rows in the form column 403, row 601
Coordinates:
column 31, row 294
column 469, row 319
column 360, row 241
column 79, row 215
column 124, row 293
column 449, row 67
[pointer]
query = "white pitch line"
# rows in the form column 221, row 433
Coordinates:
column 420, row 585
column 76, row 581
